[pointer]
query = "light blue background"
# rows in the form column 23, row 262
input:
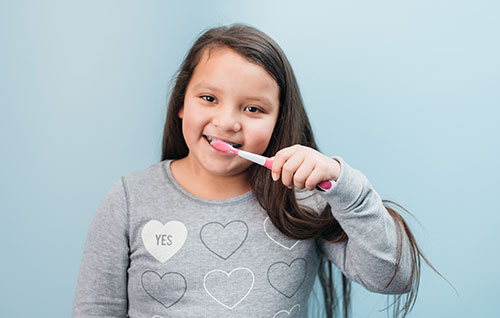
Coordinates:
column 405, row 91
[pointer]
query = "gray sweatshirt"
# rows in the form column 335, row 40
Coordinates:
column 155, row 250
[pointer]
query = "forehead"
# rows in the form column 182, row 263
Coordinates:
column 224, row 69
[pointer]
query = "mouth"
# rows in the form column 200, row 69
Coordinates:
column 210, row 139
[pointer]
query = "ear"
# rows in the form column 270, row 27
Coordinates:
column 180, row 114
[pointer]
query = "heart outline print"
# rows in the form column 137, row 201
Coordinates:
column 277, row 237
column 288, row 288
column 234, row 234
column 167, row 289
column 243, row 279
column 288, row 312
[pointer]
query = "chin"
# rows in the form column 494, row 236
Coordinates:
column 225, row 169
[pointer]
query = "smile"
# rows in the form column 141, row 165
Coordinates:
column 209, row 138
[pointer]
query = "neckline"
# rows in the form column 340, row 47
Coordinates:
column 167, row 169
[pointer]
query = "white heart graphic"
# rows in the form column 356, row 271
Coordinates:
column 163, row 241
column 271, row 231
column 241, row 285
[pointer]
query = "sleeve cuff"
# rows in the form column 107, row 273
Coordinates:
column 347, row 189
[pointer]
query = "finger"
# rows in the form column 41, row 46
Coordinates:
column 279, row 159
column 316, row 176
column 289, row 168
column 302, row 173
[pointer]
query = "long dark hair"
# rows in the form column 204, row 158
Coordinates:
column 280, row 202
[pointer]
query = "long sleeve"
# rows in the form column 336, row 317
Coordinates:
column 368, row 256
column 102, row 281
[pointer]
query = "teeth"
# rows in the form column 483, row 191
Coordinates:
column 210, row 139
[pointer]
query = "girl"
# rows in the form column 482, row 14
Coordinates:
column 205, row 233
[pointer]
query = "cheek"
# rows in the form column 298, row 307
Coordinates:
column 261, row 135
column 192, row 123
column 189, row 130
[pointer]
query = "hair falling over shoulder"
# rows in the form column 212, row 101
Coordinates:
column 279, row 201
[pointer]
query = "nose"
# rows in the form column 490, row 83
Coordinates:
column 226, row 119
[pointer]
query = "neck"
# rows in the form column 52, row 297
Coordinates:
column 208, row 186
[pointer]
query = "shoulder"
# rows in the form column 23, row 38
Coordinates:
column 144, row 178
column 151, row 176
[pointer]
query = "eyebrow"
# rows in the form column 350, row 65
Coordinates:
column 263, row 100
column 204, row 85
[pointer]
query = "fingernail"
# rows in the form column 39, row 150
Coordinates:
column 274, row 176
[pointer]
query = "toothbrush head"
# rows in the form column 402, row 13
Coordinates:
column 223, row 146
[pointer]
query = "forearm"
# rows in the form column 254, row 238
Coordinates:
column 369, row 255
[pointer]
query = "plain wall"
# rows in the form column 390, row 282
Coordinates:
column 407, row 92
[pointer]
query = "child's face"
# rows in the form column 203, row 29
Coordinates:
column 232, row 99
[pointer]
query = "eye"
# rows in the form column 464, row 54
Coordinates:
column 253, row 109
column 208, row 98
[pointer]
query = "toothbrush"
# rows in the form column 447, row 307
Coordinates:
column 258, row 159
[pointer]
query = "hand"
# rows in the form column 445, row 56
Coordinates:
column 303, row 167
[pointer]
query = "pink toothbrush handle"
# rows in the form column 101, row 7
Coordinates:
column 325, row 185
column 269, row 163
column 322, row 186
